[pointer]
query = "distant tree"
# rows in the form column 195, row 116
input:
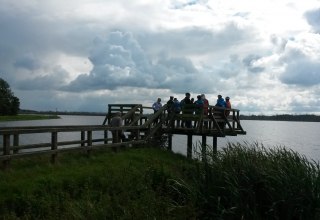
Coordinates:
column 9, row 104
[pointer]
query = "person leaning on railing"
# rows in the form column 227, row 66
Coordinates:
column 177, row 109
column 198, row 108
column 117, row 135
column 187, row 108
column 156, row 107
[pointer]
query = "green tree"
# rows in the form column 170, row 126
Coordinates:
column 9, row 104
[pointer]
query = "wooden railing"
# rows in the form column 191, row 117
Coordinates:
column 87, row 140
column 138, row 125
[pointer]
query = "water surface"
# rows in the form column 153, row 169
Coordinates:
column 299, row 136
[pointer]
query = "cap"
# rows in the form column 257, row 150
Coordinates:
column 227, row 97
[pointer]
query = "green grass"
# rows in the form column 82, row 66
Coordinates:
column 26, row 117
column 242, row 181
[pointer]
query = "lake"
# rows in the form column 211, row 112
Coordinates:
column 299, row 136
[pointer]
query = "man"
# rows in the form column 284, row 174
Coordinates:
column 220, row 102
column 186, row 109
column 169, row 108
column 170, row 104
column 156, row 107
column 116, row 121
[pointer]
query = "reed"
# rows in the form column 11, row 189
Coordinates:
column 250, row 181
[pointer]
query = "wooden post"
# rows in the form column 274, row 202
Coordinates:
column 233, row 120
column 6, row 150
column 204, row 147
column 89, row 136
column 54, row 146
column 137, row 134
column 189, row 146
column 214, row 144
column 83, row 138
column 169, row 141
column 105, row 136
column 15, row 143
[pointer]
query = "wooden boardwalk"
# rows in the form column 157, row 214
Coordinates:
column 140, row 125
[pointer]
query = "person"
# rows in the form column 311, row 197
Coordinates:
column 156, row 107
column 198, row 104
column 205, row 104
column 170, row 104
column 228, row 105
column 117, row 135
column 220, row 102
column 170, row 108
column 177, row 109
column 185, row 106
column 205, row 109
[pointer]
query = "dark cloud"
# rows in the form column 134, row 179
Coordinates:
column 313, row 18
column 249, row 62
column 301, row 66
column 303, row 72
column 28, row 62
column 311, row 106
column 196, row 41
column 49, row 81
column 230, row 68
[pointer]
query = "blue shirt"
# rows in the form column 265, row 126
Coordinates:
column 221, row 103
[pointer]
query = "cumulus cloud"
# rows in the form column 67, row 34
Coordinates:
column 119, row 60
column 301, row 58
column 313, row 18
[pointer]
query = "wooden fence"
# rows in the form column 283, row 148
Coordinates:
column 89, row 138
column 139, row 123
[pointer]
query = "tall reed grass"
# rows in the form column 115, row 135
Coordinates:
column 250, row 181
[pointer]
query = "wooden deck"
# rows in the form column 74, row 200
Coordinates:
column 140, row 126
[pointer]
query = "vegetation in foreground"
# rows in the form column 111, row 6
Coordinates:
column 240, row 182
column 26, row 117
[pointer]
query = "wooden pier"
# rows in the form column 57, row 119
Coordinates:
column 140, row 125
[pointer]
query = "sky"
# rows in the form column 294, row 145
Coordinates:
column 81, row 55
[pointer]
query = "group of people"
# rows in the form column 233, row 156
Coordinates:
column 187, row 106
column 190, row 106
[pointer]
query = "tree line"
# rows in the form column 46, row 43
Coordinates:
column 284, row 117
column 9, row 104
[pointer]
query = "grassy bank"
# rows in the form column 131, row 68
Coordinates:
column 26, row 117
column 240, row 182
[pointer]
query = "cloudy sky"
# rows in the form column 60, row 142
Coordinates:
column 81, row 55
